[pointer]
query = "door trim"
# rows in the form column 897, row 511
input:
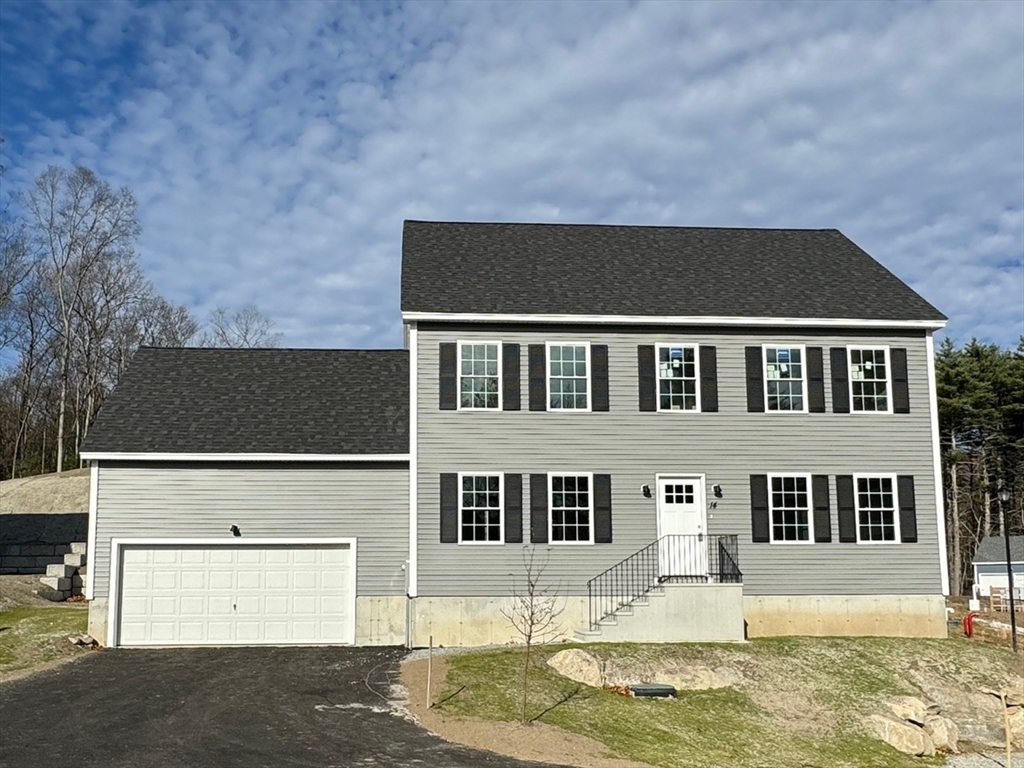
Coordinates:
column 117, row 546
column 702, row 483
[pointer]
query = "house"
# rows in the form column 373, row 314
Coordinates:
column 990, row 565
column 700, row 433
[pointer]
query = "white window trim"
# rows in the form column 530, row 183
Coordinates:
column 658, row 378
column 764, row 373
column 458, row 378
column 551, row 509
column 547, row 376
column 895, row 508
column 501, row 508
column 888, row 376
column 810, row 510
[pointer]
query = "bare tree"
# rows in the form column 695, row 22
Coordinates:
column 534, row 612
column 245, row 328
column 77, row 221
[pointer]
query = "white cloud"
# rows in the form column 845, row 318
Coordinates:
column 276, row 148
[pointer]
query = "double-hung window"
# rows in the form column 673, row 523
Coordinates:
column 568, row 376
column 479, row 375
column 785, row 379
column 869, row 380
column 480, row 509
column 790, row 508
column 572, row 509
column 678, row 378
column 877, row 519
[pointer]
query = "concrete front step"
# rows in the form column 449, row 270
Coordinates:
column 79, row 547
column 76, row 559
column 62, row 571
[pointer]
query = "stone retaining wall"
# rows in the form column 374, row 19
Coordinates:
column 30, row 542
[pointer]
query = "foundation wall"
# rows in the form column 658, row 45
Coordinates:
column 849, row 615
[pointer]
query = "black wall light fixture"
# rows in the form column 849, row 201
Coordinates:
column 235, row 531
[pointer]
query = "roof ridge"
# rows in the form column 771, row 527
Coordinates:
column 271, row 349
column 620, row 226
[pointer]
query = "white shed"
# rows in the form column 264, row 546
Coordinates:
column 990, row 565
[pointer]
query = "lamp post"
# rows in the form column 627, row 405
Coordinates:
column 1004, row 502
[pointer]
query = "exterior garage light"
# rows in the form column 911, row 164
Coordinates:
column 235, row 531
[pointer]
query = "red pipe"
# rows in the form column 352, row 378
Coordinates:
column 969, row 623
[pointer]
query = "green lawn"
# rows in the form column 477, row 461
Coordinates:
column 833, row 680
column 30, row 635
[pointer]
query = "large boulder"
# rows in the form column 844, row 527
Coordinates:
column 944, row 732
column 578, row 665
column 906, row 737
column 908, row 708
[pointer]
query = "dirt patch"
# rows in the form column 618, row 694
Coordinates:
column 537, row 741
column 64, row 492
column 18, row 590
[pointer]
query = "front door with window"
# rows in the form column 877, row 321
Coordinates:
column 682, row 548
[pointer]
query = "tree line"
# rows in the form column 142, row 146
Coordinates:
column 981, row 425
column 75, row 304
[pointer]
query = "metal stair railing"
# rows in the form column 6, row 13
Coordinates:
column 677, row 558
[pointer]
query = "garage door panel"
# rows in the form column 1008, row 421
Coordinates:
column 243, row 595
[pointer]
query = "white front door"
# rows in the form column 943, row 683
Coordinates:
column 683, row 547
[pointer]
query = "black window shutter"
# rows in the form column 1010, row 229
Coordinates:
column 599, row 377
column 759, row 509
column 755, row 381
column 647, row 380
column 449, row 508
column 900, row 382
column 538, row 378
column 448, row 384
column 822, row 508
column 539, row 509
column 510, row 377
column 815, row 381
column 602, row 509
column 513, row 508
column 847, row 510
column 840, row 380
column 908, row 508
column 708, row 379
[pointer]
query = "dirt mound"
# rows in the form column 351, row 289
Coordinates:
column 64, row 492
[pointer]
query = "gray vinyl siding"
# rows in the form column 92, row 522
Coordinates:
column 727, row 447
column 184, row 501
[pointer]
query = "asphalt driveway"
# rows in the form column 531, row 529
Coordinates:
column 221, row 707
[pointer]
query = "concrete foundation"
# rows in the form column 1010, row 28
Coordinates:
column 849, row 615
column 380, row 620
column 472, row 621
column 98, row 620
column 682, row 613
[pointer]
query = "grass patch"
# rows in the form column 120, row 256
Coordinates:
column 31, row 636
column 758, row 723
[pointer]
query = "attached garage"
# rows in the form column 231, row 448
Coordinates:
column 217, row 592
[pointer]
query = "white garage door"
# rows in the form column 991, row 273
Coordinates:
column 236, row 595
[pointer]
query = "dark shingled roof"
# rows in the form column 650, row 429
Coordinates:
column 583, row 269
column 306, row 401
column 993, row 550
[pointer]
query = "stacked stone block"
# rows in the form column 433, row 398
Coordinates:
column 66, row 579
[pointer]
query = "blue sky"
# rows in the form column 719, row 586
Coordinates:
column 275, row 148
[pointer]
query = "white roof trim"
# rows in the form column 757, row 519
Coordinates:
column 297, row 457
column 800, row 322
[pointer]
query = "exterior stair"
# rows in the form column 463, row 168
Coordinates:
column 64, row 580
